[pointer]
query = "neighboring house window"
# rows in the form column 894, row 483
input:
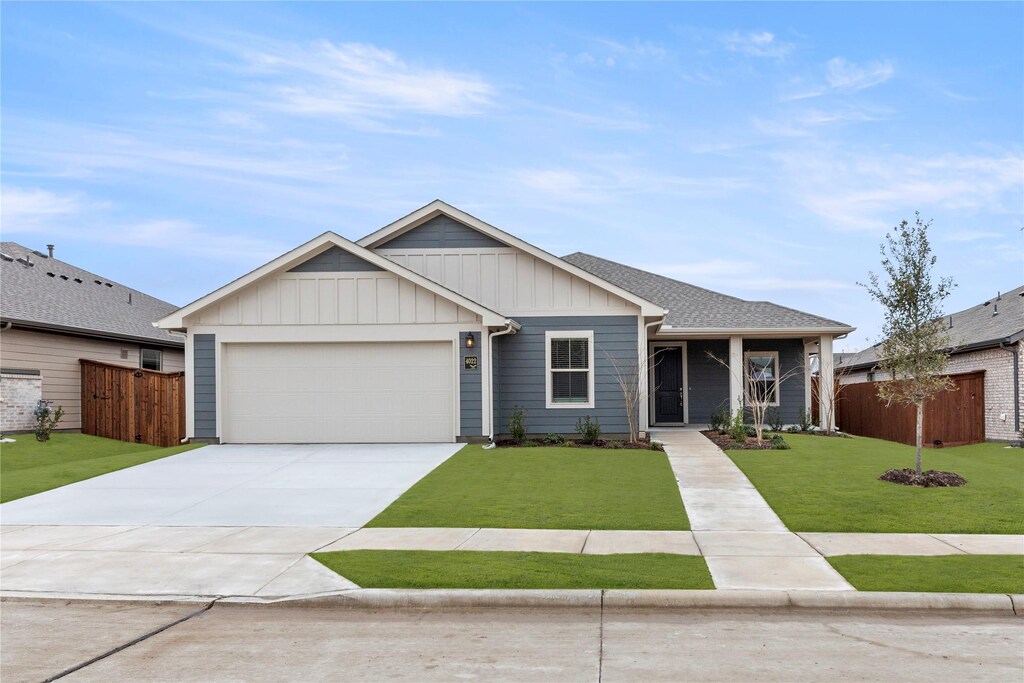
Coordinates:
column 151, row 359
column 570, row 369
column 763, row 374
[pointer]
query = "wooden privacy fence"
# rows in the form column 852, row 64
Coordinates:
column 132, row 404
column 954, row 417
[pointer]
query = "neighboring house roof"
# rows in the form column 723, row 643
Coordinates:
column 54, row 295
column 692, row 308
column 438, row 207
column 314, row 247
column 998, row 320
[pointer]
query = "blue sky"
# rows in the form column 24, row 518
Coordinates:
column 761, row 150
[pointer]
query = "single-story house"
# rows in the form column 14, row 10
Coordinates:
column 985, row 338
column 52, row 314
column 437, row 326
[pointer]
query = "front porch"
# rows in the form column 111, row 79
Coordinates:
column 688, row 379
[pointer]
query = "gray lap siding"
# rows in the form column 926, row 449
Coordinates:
column 791, row 359
column 205, row 385
column 521, row 367
column 470, row 393
column 708, row 379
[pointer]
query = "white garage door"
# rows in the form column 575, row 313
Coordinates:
column 337, row 393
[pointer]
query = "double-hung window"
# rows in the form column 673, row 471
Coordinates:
column 763, row 375
column 570, row 369
column 151, row 359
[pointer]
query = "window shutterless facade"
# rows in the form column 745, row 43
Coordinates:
column 762, row 375
column 151, row 359
column 569, row 369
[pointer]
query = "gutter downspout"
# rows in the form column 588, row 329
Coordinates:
column 1016, row 386
column 511, row 327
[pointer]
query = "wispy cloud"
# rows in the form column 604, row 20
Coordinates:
column 606, row 179
column 34, row 209
column 973, row 236
column 757, row 44
column 329, row 79
column 847, row 76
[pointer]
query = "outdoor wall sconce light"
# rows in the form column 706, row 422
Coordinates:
column 470, row 341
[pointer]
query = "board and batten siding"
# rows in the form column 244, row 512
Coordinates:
column 508, row 280
column 332, row 298
column 204, row 384
column 521, row 366
column 56, row 356
column 470, row 390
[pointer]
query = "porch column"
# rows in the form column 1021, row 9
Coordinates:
column 643, row 368
column 808, row 386
column 826, row 383
column 736, row 373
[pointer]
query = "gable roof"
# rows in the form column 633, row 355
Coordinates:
column 699, row 310
column 974, row 328
column 54, row 295
column 438, row 207
column 314, row 247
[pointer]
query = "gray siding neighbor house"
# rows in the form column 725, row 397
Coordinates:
column 52, row 314
column 439, row 325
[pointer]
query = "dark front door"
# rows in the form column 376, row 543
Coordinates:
column 668, row 385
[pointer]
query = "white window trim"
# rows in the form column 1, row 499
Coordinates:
column 778, row 368
column 576, row 334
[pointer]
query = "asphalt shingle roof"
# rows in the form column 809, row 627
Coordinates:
column 70, row 298
column 974, row 327
column 692, row 307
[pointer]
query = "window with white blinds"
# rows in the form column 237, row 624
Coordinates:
column 570, row 369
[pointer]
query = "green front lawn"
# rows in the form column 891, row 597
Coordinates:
column 831, row 484
column 28, row 467
column 543, row 488
column 485, row 569
column 941, row 574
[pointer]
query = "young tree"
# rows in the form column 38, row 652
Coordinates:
column 628, row 375
column 760, row 384
column 914, row 348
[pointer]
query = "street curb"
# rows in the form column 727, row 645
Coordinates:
column 386, row 599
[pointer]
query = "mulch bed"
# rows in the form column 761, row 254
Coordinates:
column 600, row 443
column 727, row 443
column 928, row 479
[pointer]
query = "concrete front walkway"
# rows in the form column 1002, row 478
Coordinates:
column 745, row 543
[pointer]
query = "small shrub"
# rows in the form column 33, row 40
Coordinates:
column 517, row 426
column 657, row 446
column 792, row 429
column 719, row 420
column 588, row 429
column 569, row 443
column 773, row 418
column 554, row 439
column 779, row 444
column 47, row 418
column 806, row 420
column 738, row 430
column 614, row 444
column 749, row 431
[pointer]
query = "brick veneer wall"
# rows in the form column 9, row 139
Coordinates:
column 18, row 396
column 998, row 367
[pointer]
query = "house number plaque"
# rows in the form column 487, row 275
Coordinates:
column 470, row 362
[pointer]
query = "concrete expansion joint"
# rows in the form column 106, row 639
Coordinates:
column 134, row 641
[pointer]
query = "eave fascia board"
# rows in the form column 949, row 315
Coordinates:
column 83, row 332
column 704, row 332
column 438, row 207
column 175, row 321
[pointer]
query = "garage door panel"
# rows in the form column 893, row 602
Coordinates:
column 317, row 393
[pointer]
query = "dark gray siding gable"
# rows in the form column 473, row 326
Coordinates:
column 204, row 359
column 520, row 370
column 708, row 380
column 441, row 232
column 470, row 393
column 335, row 260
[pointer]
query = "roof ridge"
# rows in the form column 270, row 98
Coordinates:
column 659, row 275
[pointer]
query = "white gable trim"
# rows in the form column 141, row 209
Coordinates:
column 300, row 254
column 438, row 207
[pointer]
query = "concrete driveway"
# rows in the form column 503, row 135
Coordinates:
column 336, row 485
column 220, row 520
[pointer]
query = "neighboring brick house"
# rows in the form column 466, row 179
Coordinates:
column 987, row 337
column 52, row 314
